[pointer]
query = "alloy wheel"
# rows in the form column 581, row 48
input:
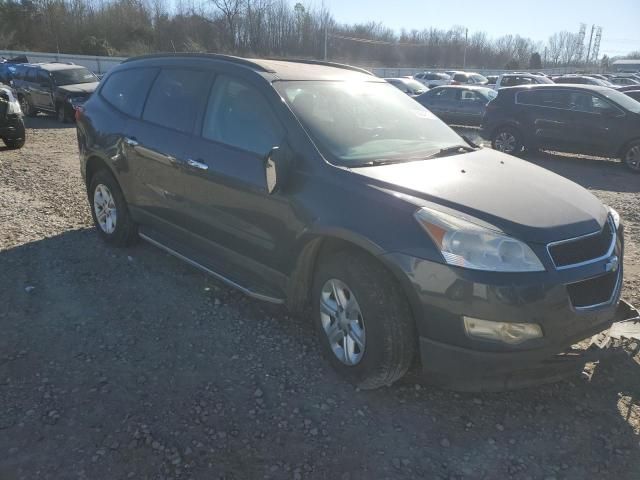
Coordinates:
column 505, row 142
column 24, row 106
column 342, row 322
column 632, row 158
column 105, row 209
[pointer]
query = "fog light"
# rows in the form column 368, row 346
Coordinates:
column 511, row 333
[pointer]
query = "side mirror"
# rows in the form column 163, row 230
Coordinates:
column 277, row 165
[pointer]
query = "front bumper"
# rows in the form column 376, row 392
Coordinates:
column 441, row 295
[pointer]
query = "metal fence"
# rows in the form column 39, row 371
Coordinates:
column 97, row 65
column 101, row 65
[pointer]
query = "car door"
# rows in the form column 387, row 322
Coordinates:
column 29, row 87
column 443, row 102
column 594, row 123
column 156, row 142
column 547, row 110
column 42, row 92
column 470, row 107
column 227, row 206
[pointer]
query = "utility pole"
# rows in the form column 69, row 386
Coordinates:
column 544, row 64
column 326, row 34
column 464, row 56
column 590, row 40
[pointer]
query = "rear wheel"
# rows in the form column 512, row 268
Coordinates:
column 363, row 320
column 109, row 210
column 507, row 140
column 631, row 156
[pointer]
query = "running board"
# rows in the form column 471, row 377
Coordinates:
column 216, row 275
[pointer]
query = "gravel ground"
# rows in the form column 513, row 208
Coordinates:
column 129, row 364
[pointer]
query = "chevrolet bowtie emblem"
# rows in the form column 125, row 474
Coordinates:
column 612, row 264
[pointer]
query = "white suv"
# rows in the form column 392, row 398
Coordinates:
column 515, row 79
column 432, row 79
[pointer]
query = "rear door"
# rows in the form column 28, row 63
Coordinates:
column 158, row 141
column 444, row 102
column 471, row 107
column 547, row 110
column 42, row 90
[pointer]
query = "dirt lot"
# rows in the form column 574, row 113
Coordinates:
column 129, row 364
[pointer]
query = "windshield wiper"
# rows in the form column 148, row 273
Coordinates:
column 381, row 161
column 443, row 152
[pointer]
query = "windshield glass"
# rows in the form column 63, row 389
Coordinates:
column 543, row 80
column 478, row 78
column 73, row 76
column 356, row 122
column 414, row 85
column 623, row 100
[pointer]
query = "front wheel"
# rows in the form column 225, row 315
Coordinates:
column 363, row 320
column 507, row 140
column 631, row 156
column 14, row 143
column 109, row 210
column 25, row 106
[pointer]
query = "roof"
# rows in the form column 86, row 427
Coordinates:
column 580, row 86
column 279, row 69
column 632, row 61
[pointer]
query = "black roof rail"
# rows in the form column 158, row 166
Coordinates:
column 324, row 63
column 214, row 56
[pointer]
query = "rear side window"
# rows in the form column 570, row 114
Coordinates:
column 126, row 90
column 238, row 115
column 43, row 78
column 544, row 98
column 460, row 77
column 176, row 97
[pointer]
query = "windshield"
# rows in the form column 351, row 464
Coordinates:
column 356, row 122
column 477, row 78
column 623, row 100
column 543, row 80
column 414, row 85
column 73, row 76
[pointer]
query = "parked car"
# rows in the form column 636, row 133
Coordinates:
column 597, row 75
column 349, row 198
column 514, row 79
column 433, row 79
column 58, row 88
column 12, row 129
column 411, row 87
column 635, row 94
column 458, row 104
column 624, row 81
column 626, row 88
column 467, row 78
column 582, row 80
column 569, row 118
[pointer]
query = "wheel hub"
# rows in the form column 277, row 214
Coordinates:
column 342, row 322
column 105, row 209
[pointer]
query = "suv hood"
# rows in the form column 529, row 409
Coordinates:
column 523, row 200
column 79, row 88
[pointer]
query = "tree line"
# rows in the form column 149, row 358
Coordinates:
column 276, row 28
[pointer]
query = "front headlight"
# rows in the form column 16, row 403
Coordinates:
column 465, row 243
column 615, row 216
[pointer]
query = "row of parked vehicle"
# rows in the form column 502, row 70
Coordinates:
column 574, row 113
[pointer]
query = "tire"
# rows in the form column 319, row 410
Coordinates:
column 25, row 106
column 61, row 114
column 383, row 321
column 14, row 143
column 631, row 156
column 507, row 140
column 120, row 230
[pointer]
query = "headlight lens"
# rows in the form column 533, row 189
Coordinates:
column 464, row 243
column 615, row 216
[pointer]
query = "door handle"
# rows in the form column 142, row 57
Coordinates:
column 132, row 142
column 198, row 165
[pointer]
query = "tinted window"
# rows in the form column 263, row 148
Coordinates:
column 176, row 97
column 238, row 115
column 445, row 93
column 470, row 96
column 73, row 76
column 43, row 77
column 126, row 90
column 477, row 78
column 589, row 103
column 460, row 77
column 544, row 98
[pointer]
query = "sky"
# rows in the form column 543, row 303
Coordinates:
column 619, row 19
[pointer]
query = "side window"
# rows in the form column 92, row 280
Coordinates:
column 523, row 80
column 460, row 77
column 446, row 94
column 31, row 75
column 469, row 96
column 176, row 97
column 506, row 81
column 589, row 103
column 43, row 78
column 126, row 90
column 238, row 115
column 544, row 98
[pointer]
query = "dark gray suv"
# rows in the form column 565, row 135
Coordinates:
column 320, row 185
